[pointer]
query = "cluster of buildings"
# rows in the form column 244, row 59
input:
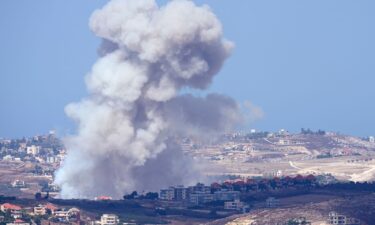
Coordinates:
column 48, row 213
column 43, row 149
column 335, row 218
column 201, row 194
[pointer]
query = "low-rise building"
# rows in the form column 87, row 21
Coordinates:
column 51, row 208
column 39, row 210
column 18, row 184
column 33, row 150
column 15, row 210
column 234, row 205
column 336, row 219
column 109, row 219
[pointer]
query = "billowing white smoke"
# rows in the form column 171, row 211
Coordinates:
column 127, row 124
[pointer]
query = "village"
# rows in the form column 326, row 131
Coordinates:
column 29, row 196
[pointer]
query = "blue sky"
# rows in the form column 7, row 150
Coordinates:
column 305, row 63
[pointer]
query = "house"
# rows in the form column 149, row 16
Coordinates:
column 15, row 210
column 61, row 213
column 19, row 184
column 39, row 210
column 33, row 150
column 51, row 208
column 109, row 219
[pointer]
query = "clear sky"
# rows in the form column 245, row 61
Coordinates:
column 307, row 64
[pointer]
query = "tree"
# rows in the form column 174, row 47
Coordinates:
column 38, row 196
column 151, row 195
column 131, row 196
column 47, row 195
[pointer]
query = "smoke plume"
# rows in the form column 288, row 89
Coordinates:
column 127, row 124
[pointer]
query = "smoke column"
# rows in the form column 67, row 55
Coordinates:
column 126, row 125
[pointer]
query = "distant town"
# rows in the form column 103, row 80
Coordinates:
column 318, row 168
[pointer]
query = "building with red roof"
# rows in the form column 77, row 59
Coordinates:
column 51, row 207
column 15, row 210
column 103, row 198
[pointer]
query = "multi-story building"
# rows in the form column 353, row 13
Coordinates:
column 197, row 194
column 199, row 188
column 109, row 219
column 180, row 193
column 198, row 198
column 167, row 194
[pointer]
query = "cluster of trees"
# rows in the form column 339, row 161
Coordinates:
column 353, row 186
column 257, row 135
column 148, row 195
column 308, row 131
column 4, row 198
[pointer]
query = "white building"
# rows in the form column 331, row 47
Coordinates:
column 371, row 139
column 8, row 158
column 40, row 210
column 33, row 150
column 109, row 219
column 19, row 184
column 51, row 159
